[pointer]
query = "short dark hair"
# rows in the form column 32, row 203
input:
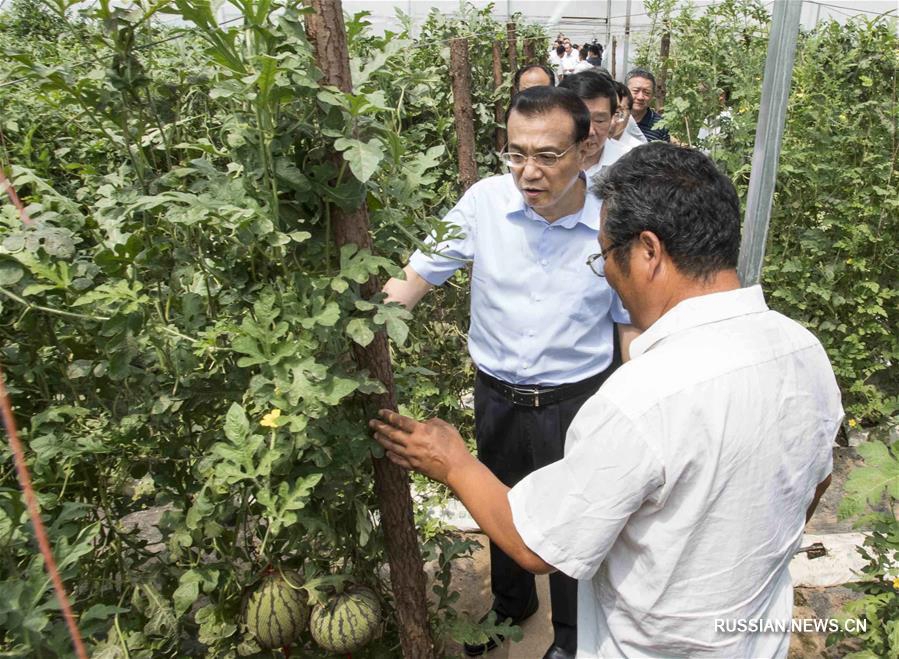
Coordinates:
column 641, row 73
column 594, row 49
column 624, row 92
column 680, row 195
column 529, row 67
column 544, row 99
column 592, row 84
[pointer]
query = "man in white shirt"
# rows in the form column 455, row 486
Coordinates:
column 569, row 58
column 688, row 477
column 554, row 58
column 598, row 93
column 542, row 329
column 624, row 129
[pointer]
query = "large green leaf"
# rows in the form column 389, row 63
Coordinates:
column 237, row 427
column 866, row 485
column 363, row 157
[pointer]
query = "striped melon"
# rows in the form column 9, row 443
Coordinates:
column 346, row 622
column 277, row 613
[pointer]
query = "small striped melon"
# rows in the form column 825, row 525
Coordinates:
column 276, row 612
column 346, row 622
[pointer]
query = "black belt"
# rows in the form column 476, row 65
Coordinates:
column 537, row 395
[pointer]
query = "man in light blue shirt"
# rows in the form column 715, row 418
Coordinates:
column 542, row 326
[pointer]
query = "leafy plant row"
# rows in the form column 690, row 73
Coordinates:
column 177, row 325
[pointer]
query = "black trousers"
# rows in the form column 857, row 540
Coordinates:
column 513, row 441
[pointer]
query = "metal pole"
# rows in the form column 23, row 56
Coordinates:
column 768, row 136
column 608, row 23
column 625, row 61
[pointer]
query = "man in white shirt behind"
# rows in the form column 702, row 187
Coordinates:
column 569, row 58
column 624, row 129
column 597, row 91
column 688, row 477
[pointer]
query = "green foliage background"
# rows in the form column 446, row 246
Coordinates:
column 831, row 260
column 176, row 323
column 179, row 284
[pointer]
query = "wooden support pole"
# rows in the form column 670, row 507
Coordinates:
column 530, row 53
column 662, row 91
column 614, row 56
column 512, row 37
column 626, row 61
column 499, row 108
column 463, row 112
column 327, row 33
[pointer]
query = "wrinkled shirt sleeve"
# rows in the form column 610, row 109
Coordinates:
column 571, row 512
column 442, row 259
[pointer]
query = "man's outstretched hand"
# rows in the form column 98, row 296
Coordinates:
column 436, row 449
column 432, row 447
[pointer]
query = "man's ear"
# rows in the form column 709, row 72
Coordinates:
column 650, row 251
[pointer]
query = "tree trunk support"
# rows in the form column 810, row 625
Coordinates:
column 327, row 33
column 512, row 38
column 530, row 54
column 663, row 74
column 463, row 113
column 614, row 55
column 499, row 111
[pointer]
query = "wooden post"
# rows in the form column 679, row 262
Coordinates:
column 327, row 33
column 512, row 37
column 530, row 54
column 613, row 56
column 463, row 113
column 626, row 60
column 499, row 110
column 663, row 73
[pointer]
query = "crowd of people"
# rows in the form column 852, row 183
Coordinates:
column 648, row 432
column 567, row 58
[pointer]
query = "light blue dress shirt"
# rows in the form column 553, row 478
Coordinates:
column 538, row 313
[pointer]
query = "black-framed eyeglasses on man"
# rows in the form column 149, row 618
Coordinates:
column 597, row 262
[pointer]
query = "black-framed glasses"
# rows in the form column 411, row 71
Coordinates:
column 597, row 262
column 545, row 159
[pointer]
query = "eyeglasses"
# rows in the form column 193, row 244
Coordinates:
column 545, row 159
column 597, row 262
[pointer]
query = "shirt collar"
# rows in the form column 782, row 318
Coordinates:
column 700, row 310
column 588, row 215
column 649, row 118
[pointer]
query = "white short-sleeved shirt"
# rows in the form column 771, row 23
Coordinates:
column 612, row 150
column 569, row 62
column 632, row 136
column 686, row 478
column 538, row 313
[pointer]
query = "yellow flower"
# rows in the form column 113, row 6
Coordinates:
column 270, row 419
column 852, row 423
column 896, row 583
